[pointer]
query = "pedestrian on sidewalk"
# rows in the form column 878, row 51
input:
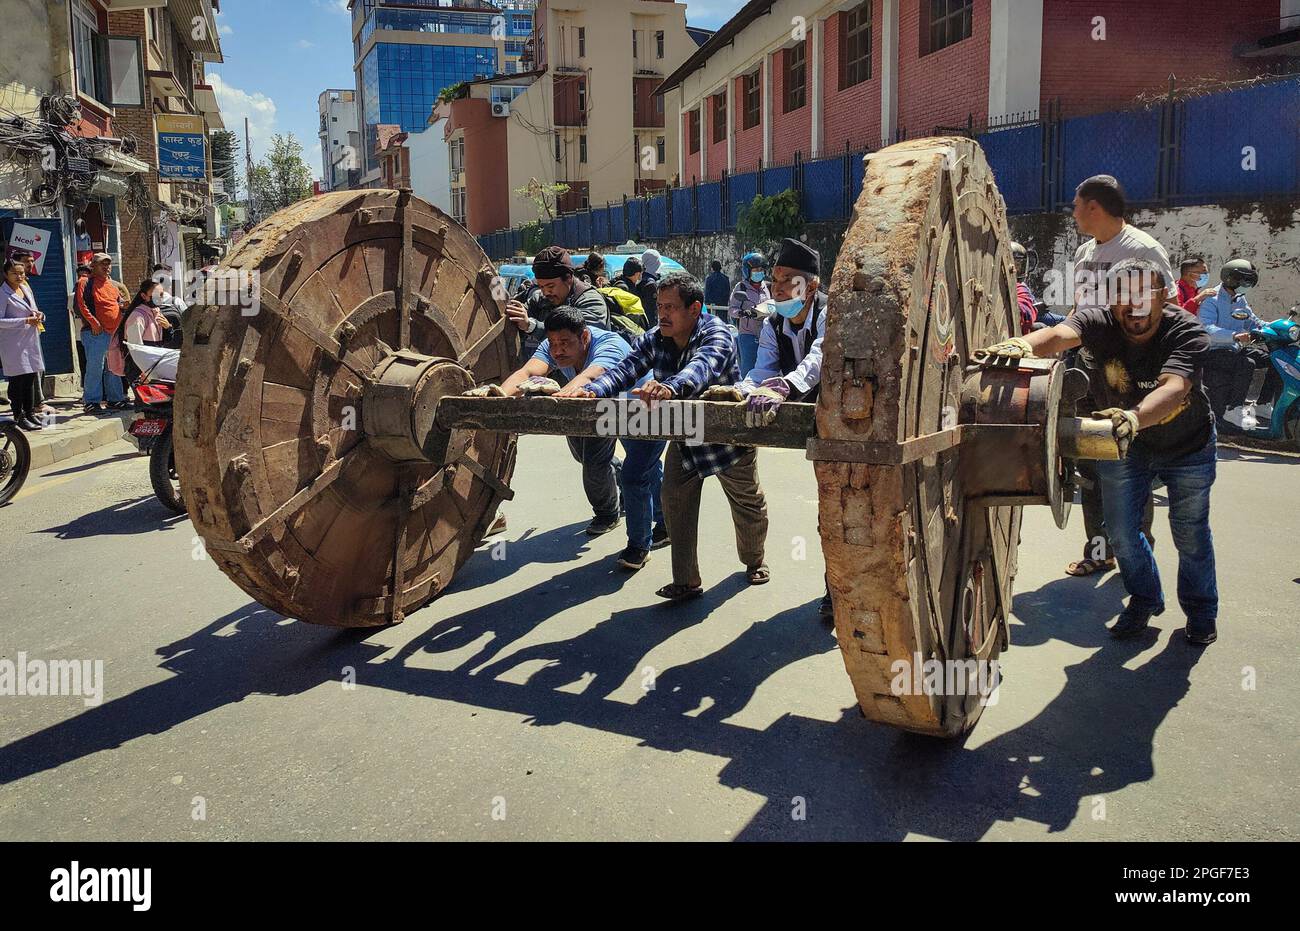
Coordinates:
column 100, row 303
column 1153, row 353
column 686, row 354
column 717, row 290
column 20, row 343
column 43, row 409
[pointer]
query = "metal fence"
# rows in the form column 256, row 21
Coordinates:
column 1235, row 144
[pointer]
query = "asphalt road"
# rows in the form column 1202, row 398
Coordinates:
column 514, row 707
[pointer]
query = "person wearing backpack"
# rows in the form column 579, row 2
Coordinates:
column 557, row 286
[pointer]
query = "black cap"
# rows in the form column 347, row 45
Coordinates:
column 800, row 257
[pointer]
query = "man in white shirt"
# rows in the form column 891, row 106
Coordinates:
column 1099, row 209
column 789, row 361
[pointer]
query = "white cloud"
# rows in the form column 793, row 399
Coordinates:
column 237, row 104
column 338, row 6
column 225, row 30
column 304, row 43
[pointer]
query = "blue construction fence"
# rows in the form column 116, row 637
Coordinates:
column 1241, row 144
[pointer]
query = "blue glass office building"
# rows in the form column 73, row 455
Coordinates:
column 399, row 81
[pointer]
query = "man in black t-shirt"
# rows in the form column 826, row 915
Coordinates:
column 1148, row 354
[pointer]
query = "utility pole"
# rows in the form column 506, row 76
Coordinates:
column 248, row 173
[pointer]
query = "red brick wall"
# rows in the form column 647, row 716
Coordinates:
column 717, row 157
column 749, row 142
column 1196, row 38
column 852, row 115
column 791, row 132
column 946, row 86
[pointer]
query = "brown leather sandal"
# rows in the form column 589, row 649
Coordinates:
column 1086, row 567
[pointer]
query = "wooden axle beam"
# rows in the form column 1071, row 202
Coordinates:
column 629, row 418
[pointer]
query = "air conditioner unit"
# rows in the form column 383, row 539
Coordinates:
column 501, row 108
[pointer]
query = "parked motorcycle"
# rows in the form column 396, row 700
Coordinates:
column 15, row 460
column 152, row 432
column 1280, row 419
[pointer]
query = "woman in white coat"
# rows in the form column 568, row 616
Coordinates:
column 20, row 343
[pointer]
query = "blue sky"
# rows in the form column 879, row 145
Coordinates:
column 280, row 54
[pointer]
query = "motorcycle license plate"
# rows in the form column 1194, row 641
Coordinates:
column 148, row 427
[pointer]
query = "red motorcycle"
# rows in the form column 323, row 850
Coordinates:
column 152, row 432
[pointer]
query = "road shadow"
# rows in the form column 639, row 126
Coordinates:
column 144, row 514
column 849, row 778
column 1071, row 609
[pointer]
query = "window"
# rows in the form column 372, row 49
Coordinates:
column 719, row 118
column 582, row 149
column 334, row 119
column 796, row 76
column 753, row 97
column 636, row 46
column 85, row 25
column 693, row 131
column 659, row 44
column 582, row 41
column 855, row 45
column 558, row 156
column 948, row 22
column 636, row 148
column 661, row 151
column 458, row 204
column 582, row 98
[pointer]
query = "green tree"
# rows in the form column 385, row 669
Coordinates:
column 225, row 161
column 767, row 220
column 280, row 179
column 450, row 92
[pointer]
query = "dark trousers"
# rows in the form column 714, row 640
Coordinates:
column 599, row 472
column 1228, row 373
column 22, row 396
column 1097, row 545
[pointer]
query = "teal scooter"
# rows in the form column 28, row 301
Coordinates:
column 1277, row 418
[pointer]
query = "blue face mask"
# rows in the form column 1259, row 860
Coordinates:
column 789, row 308
column 1202, row 281
column 756, row 276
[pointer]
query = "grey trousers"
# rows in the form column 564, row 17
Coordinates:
column 681, row 498
column 599, row 472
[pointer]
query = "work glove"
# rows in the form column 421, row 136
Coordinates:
column 1124, row 424
column 722, row 393
column 1006, row 353
column 540, row 384
column 485, row 391
column 761, row 408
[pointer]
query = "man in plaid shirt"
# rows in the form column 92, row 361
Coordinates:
column 690, row 352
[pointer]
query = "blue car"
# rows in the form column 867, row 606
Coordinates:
column 515, row 273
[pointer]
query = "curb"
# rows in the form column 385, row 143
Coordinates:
column 82, row 438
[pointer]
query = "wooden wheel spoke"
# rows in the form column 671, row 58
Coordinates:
column 285, row 511
column 469, row 358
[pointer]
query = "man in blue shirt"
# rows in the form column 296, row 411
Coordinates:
column 686, row 354
column 582, row 353
column 1232, row 360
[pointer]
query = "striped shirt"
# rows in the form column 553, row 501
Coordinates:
column 710, row 358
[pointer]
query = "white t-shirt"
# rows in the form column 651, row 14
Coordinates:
column 1093, row 260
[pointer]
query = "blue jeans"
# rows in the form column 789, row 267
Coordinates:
column 747, row 343
column 99, row 383
column 1125, row 486
column 640, row 480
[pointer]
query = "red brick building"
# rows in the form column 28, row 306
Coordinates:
column 810, row 77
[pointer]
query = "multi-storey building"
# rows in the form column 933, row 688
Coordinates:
column 181, row 225
column 585, row 114
column 406, row 52
column 339, row 137
column 810, row 77
column 79, row 145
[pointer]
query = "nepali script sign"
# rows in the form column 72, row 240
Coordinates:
column 182, row 141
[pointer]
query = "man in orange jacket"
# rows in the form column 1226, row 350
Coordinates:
column 100, row 301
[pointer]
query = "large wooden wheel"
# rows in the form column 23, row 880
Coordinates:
column 290, row 462
column 919, row 567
